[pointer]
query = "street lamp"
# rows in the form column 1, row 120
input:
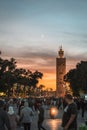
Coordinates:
column 53, row 112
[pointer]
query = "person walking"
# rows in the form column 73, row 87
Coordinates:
column 21, row 106
column 83, row 107
column 69, row 120
column 26, row 116
column 4, row 119
column 13, row 118
column 41, row 118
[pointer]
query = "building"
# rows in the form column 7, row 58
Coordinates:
column 60, row 72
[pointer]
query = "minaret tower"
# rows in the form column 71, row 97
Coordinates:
column 60, row 72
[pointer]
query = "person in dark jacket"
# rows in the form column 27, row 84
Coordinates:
column 41, row 118
column 83, row 107
column 69, row 120
column 4, row 119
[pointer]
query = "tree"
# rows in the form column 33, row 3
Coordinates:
column 10, row 75
column 28, row 79
column 7, row 68
column 78, row 78
column 40, row 89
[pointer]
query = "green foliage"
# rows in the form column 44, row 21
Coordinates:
column 78, row 78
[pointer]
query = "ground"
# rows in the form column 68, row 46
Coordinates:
column 53, row 124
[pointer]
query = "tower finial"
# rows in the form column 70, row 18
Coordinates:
column 61, row 52
column 61, row 47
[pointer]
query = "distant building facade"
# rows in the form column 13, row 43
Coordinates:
column 60, row 72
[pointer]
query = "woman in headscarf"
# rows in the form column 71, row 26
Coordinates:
column 13, row 118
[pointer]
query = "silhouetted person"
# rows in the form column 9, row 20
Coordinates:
column 64, row 104
column 20, row 107
column 77, row 101
column 4, row 119
column 83, row 107
column 41, row 118
column 69, row 120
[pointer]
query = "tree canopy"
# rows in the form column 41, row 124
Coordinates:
column 10, row 75
column 78, row 78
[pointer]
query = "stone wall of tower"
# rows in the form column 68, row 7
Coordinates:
column 60, row 72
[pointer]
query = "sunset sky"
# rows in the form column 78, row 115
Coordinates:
column 32, row 31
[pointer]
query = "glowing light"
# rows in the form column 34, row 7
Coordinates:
column 53, row 111
column 2, row 94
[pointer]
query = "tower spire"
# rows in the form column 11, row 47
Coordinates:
column 61, row 47
column 61, row 52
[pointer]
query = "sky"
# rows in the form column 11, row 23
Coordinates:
column 32, row 31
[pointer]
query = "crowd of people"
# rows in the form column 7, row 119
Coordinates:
column 16, row 113
column 19, row 112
